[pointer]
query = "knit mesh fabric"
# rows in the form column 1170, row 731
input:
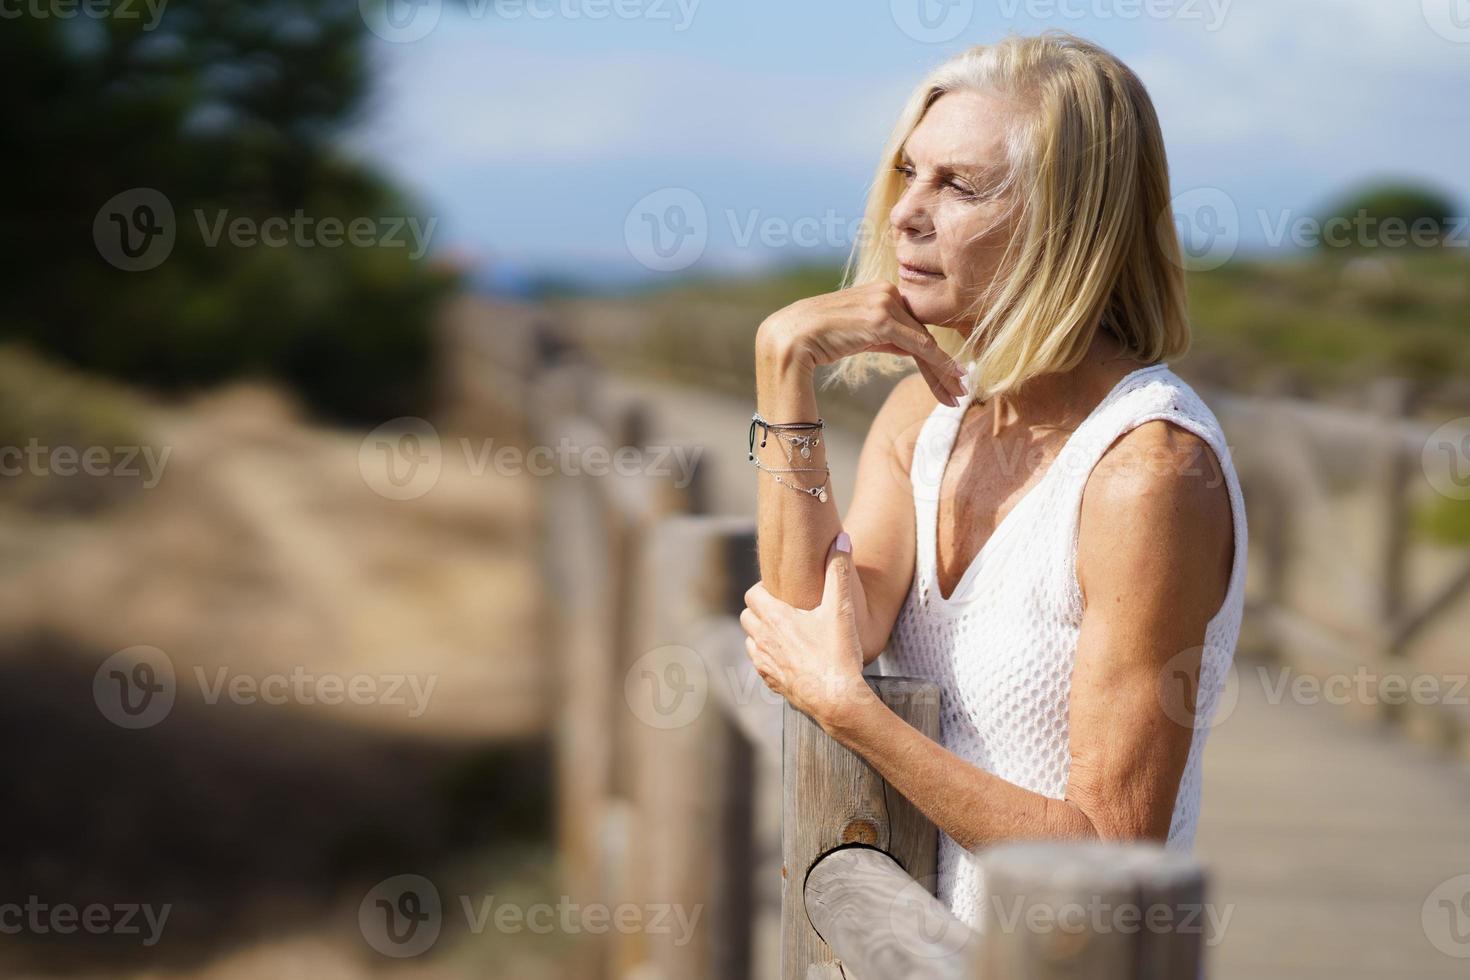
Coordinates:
column 1002, row 647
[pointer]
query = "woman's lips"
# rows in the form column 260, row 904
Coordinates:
column 915, row 273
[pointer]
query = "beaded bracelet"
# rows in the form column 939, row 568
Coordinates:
column 802, row 444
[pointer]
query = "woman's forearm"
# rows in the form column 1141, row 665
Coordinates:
column 972, row 806
column 794, row 529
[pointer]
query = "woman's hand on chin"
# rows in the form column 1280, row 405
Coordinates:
column 872, row 318
column 812, row 658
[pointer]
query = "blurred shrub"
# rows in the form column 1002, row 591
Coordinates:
column 55, row 425
column 1416, row 212
column 1444, row 521
column 227, row 109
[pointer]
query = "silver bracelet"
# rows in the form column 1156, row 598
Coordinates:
column 819, row 491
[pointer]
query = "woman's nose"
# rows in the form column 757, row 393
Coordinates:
column 909, row 215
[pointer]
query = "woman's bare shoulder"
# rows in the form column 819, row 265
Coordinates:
column 904, row 412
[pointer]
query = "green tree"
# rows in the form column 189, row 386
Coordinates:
column 230, row 111
column 1385, row 214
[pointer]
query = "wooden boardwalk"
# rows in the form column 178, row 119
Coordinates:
column 1324, row 834
column 1327, row 835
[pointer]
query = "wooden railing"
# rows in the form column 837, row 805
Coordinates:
column 677, row 772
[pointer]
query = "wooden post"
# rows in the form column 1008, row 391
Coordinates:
column 832, row 797
column 1393, row 398
column 692, row 845
column 1092, row 911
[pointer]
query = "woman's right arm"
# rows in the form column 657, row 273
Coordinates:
column 796, row 530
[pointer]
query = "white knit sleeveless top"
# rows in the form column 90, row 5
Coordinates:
column 1002, row 647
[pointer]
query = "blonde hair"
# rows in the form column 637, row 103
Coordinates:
column 1094, row 245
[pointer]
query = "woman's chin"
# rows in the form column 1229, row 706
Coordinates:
column 928, row 303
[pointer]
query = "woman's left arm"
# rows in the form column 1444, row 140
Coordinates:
column 1155, row 548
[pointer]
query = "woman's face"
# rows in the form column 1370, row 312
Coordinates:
column 950, row 227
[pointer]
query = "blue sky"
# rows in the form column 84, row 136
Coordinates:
column 554, row 135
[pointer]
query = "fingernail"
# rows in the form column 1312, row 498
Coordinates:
column 844, row 543
column 965, row 384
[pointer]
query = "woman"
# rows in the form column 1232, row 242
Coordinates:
column 1049, row 524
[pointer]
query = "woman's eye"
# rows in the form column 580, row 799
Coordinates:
column 907, row 173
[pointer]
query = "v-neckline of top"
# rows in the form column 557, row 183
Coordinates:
column 1009, row 519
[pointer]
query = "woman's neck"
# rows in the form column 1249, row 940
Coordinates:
column 1063, row 399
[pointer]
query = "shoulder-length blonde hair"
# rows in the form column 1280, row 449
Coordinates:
column 1094, row 245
